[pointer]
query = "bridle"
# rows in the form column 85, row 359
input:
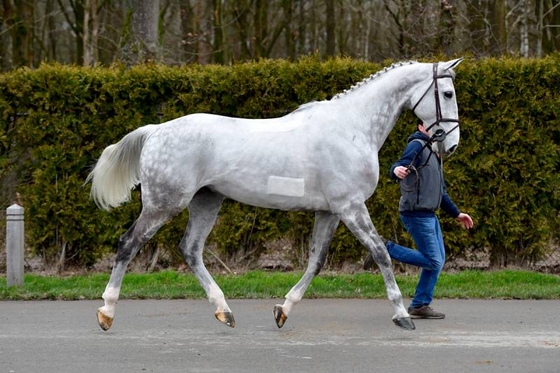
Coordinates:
column 440, row 134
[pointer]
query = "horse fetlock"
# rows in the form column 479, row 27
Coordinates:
column 111, row 296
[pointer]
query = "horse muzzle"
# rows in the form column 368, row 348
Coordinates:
column 442, row 141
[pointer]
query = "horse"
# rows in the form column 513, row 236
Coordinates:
column 322, row 157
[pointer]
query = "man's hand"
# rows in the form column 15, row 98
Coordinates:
column 465, row 220
column 401, row 172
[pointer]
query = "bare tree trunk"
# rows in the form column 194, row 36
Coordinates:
column 540, row 24
column 498, row 18
column 140, row 32
column 313, row 28
column 342, row 31
column 301, row 44
column 289, row 31
column 397, row 18
column 367, row 32
column 240, row 12
column 5, row 54
column 94, row 32
column 76, row 23
column 281, row 25
column 524, row 30
column 145, row 26
column 91, row 33
column 173, row 34
column 19, row 19
column 548, row 21
column 51, row 22
column 219, row 55
column 186, row 13
column 447, row 26
column 87, row 37
column 261, row 27
column 203, row 49
column 331, row 27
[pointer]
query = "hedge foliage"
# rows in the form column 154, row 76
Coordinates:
column 57, row 119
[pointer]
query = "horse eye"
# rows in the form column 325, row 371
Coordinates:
column 448, row 94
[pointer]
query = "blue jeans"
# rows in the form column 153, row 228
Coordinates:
column 430, row 255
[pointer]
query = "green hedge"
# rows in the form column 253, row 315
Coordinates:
column 57, row 120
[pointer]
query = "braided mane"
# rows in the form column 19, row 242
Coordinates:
column 372, row 77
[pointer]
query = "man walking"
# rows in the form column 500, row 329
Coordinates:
column 420, row 173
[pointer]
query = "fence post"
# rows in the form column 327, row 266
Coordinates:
column 14, row 244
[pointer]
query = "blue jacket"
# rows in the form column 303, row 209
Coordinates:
column 423, row 191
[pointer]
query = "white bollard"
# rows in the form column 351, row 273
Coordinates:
column 14, row 244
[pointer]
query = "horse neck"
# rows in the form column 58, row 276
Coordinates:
column 383, row 100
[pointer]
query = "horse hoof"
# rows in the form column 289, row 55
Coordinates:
column 104, row 321
column 279, row 315
column 225, row 318
column 405, row 323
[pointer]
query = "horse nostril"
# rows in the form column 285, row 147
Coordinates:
column 452, row 149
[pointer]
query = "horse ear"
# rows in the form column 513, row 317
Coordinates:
column 452, row 64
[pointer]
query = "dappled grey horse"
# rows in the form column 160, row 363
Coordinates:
column 322, row 157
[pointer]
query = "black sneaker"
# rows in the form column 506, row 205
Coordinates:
column 368, row 261
column 424, row 312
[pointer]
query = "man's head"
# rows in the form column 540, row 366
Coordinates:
column 422, row 128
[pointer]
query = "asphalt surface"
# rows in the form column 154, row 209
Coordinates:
column 341, row 335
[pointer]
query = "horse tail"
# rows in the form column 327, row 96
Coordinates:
column 118, row 169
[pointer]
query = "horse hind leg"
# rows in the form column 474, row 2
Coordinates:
column 357, row 219
column 129, row 244
column 203, row 211
column 323, row 230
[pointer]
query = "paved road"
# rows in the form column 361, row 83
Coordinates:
column 348, row 336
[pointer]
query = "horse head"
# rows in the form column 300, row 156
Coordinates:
column 436, row 107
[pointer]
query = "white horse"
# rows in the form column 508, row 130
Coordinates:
column 322, row 157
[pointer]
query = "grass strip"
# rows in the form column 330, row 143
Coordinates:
column 504, row 284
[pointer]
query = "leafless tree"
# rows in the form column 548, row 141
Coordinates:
column 224, row 31
column 139, row 40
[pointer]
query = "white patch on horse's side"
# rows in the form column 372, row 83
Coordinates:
column 286, row 186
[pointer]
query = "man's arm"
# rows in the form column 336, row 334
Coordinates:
column 412, row 149
column 448, row 205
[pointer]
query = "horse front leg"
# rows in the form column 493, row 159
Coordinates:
column 323, row 230
column 357, row 219
column 203, row 211
column 130, row 243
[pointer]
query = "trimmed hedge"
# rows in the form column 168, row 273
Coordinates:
column 57, row 120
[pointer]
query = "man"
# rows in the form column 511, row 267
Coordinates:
column 419, row 171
